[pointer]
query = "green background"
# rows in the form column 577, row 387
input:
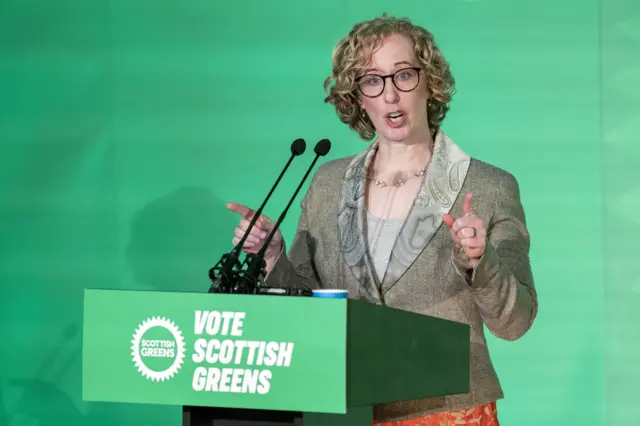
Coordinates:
column 125, row 127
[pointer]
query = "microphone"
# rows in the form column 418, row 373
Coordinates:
column 255, row 264
column 223, row 275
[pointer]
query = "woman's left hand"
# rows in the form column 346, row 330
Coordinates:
column 468, row 233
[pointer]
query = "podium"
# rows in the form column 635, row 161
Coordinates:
column 231, row 359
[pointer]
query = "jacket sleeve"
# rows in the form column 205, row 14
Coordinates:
column 297, row 268
column 502, row 281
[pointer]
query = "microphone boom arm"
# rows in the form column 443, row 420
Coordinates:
column 253, row 275
column 224, row 275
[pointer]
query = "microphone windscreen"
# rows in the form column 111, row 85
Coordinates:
column 298, row 146
column 322, row 147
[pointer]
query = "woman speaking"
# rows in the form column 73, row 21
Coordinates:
column 411, row 222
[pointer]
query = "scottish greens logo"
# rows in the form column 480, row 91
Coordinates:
column 158, row 349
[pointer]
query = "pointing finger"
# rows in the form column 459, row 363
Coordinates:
column 243, row 211
column 466, row 204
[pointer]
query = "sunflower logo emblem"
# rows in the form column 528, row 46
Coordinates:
column 158, row 349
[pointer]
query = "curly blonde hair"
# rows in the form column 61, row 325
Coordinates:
column 348, row 59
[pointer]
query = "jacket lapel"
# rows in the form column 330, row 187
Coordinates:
column 352, row 226
column 442, row 184
column 444, row 178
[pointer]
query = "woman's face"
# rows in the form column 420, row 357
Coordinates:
column 398, row 112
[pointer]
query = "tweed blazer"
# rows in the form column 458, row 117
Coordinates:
column 329, row 250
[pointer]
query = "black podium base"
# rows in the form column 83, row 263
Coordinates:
column 210, row 416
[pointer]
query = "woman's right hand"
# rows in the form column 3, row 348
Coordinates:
column 258, row 234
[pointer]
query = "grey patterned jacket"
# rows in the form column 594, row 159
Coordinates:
column 329, row 251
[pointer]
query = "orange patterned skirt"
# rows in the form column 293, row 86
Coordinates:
column 483, row 415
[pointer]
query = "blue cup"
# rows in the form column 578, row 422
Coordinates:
column 327, row 293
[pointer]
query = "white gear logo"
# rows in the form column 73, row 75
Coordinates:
column 168, row 325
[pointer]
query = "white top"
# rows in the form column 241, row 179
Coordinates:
column 381, row 237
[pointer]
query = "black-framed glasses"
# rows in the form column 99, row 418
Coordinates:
column 405, row 80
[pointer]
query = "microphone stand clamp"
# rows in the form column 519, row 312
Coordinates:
column 224, row 274
column 252, row 276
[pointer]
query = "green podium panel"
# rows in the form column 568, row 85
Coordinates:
column 298, row 354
